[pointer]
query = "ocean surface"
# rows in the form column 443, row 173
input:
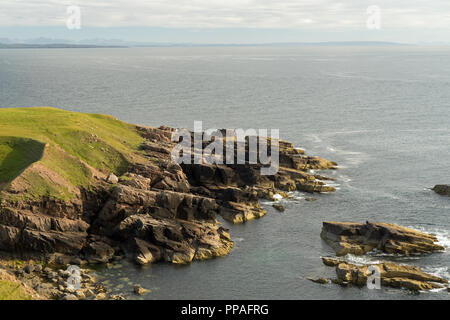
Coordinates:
column 381, row 112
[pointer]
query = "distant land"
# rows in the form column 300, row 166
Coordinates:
column 102, row 43
column 51, row 46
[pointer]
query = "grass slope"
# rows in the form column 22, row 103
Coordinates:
column 12, row 291
column 50, row 150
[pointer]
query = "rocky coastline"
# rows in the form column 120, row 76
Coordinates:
column 155, row 211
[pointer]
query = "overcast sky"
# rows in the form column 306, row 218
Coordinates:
column 230, row 20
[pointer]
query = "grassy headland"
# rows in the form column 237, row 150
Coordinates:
column 47, row 151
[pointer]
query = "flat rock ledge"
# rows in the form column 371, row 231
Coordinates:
column 442, row 189
column 391, row 275
column 359, row 238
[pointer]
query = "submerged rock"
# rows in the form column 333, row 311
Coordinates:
column 318, row 280
column 359, row 238
column 279, row 207
column 139, row 290
column 391, row 275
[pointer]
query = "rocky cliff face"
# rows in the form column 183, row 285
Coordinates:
column 157, row 211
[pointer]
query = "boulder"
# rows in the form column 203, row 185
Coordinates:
column 112, row 178
column 98, row 252
column 278, row 207
column 175, row 241
column 442, row 189
column 139, row 290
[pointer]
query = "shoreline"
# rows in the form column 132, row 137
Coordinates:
column 148, row 209
column 144, row 208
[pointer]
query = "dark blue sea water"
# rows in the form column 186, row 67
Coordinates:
column 381, row 112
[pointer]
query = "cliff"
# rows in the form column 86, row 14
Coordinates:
column 80, row 188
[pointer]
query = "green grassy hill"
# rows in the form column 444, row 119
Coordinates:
column 12, row 291
column 49, row 152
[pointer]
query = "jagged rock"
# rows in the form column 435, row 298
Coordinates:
column 100, row 296
column 98, row 252
column 143, row 253
column 238, row 212
column 28, row 268
column 136, row 181
column 442, row 189
column 331, row 262
column 139, row 290
column 279, row 207
column 358, row 238
column 318, row 280
column 112, row 178
column 175, row 241
column 391, row 275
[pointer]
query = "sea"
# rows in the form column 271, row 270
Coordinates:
column 382, row 113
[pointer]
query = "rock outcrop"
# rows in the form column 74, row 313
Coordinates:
column 442, row 189
column 359, row 238
column 157, row 210
column 391, row 275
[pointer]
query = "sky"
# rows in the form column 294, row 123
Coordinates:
column 230, row 21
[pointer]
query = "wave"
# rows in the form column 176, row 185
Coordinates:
column 442, row 235
column 441, row 272
column 361, row 260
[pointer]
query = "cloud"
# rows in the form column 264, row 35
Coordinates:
column 317, row 15
column 270, row 14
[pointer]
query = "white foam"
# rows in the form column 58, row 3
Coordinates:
column 277, row 196
column 315, row 138
column 443, row 239
column 436, row 290
column 442, row 272
column 344, row 178
column 443, row 236
column 333, row 184
column 360, row 260
column 295, row 195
